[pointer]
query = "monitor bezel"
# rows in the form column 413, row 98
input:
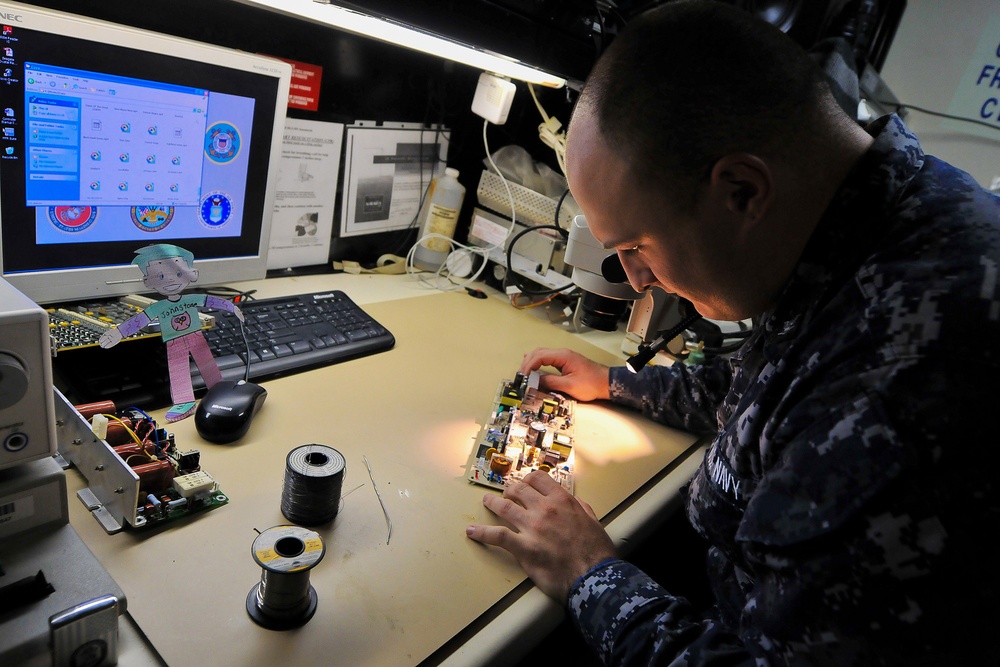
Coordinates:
column 73, row 284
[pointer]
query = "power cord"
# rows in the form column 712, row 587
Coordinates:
column 550, row 132
column 903, row 105
column 442, row 278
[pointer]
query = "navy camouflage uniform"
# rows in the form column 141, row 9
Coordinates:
column 849, row 494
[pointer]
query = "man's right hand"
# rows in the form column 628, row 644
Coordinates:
column 579, row 377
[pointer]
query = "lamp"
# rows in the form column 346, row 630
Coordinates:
column 646, row 352
column 401, row 34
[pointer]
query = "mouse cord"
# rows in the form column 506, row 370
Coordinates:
column 246, row 342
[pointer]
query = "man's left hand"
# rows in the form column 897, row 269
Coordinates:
column 556, row 537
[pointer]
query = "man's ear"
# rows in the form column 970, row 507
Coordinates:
column 746, row 184
column 195, row 274
column 145, row 281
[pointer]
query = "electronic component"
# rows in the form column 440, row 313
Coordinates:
column 142, row 481
column 26, row 402
column 527, row 430
column 189, row 486
column 80, row 325
column 55, row 597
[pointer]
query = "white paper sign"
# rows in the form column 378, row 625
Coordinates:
column 978, row 92
column 304, row 202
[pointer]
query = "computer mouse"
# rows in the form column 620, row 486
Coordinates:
column 226, row 410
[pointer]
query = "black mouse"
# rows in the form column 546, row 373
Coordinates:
column 226, row 410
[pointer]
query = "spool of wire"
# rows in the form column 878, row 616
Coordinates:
column 314, row 478
column 284, row 598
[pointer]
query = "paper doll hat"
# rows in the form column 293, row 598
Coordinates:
column 158, row 251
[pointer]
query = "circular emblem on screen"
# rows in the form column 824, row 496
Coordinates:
column 216, row 209
column 222, row 142
column 72, row 218
column 152, row 218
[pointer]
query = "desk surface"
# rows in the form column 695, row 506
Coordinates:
column 414, row 412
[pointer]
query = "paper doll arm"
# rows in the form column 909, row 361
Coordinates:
column 114, row 335
column 223, row 304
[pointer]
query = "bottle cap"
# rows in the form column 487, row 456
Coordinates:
column 451, row 171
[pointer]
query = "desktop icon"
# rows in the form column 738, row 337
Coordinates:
column 150, row 159
column 123, row 186
column 8, row 52
column 149, row 187
column 151, row 130
column 123, row 157
column 9, row 112
column 126, row 127
column 8, row 132
column 9, row 150
column 216, row 209
column 95, row 185
column 95, row 156
column 8, row 71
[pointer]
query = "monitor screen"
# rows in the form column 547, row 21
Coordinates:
column 112, row 138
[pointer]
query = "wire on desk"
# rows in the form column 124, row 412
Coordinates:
column 388, row 521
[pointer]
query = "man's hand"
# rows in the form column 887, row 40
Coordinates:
column 579, row 377
column 557, row 538
column 110, row 338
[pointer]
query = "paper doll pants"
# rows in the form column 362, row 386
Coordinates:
column 178, row 350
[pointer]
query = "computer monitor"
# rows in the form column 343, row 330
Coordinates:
column 113, row 138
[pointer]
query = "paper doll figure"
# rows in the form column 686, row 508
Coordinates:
column 169, row 269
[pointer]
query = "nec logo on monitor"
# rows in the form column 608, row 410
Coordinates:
column 11, row 17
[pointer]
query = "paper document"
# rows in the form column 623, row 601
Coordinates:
column 386, row 171
column 302, row 223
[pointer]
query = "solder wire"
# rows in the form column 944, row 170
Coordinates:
column 314, row 477
column 283, row 594
column 284, row 598
column 388, row 521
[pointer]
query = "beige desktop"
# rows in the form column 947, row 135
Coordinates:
column 424, row 593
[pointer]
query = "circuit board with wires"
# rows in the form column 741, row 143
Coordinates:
column 527, row 429
column 171, row 483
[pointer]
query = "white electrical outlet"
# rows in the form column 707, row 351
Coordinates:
column 493, row 98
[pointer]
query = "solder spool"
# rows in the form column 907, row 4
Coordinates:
column 284, row 598
column 314, row 478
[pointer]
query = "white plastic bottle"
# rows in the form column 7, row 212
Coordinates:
column 444, row 201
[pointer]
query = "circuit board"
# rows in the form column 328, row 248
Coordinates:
column 171, row 483
column 526, row 430
column 80, row 325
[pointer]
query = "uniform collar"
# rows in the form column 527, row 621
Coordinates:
column 858, row 217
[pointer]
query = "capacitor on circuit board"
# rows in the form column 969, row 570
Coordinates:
column 88, row 410
column 155, row 475
column 118, row 432
column 536, row 434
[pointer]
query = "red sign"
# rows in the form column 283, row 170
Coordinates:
column 304, row 90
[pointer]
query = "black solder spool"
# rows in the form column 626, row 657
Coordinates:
column 314, row 478
column 284, row 598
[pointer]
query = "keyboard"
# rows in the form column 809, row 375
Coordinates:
column 292, row 334
column 286, row 335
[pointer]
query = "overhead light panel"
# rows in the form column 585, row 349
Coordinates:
column 400, row 34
